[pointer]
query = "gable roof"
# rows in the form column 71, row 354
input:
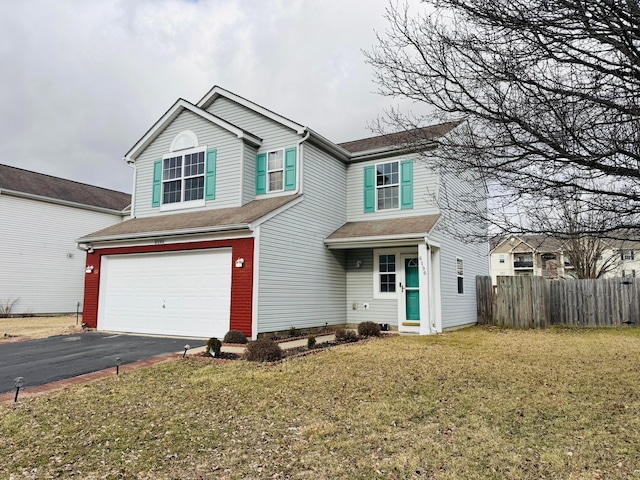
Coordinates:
column 398, row 140
column 203, row 221
column 356, row 233
column 176, row 109
column 18, row 181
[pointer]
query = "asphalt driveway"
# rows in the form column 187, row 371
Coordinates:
column 65, row 356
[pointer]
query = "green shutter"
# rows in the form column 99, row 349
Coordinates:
column 369, row 189
column 210, row 177
column 290, row 169
column 261, row 173
column 406, row 184
column 157, row 183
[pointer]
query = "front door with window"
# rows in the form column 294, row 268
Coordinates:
column 410, row 294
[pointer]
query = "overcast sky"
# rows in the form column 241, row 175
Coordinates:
column 83, row 80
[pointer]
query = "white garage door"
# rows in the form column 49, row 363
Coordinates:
column 182, row 293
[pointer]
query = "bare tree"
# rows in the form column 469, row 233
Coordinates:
column 548, row 92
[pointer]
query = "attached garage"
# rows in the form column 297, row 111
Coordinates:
column 183, row 293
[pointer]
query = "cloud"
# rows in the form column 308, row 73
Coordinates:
column 82, row 81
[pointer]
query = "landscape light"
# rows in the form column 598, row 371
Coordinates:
column 186, row 347
column 19, row 382
column 118, row 363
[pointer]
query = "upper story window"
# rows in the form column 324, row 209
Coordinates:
column 627, row 255
column 183, row 177
column 501, row 258
column 388, row 186
column 276, row 171
column 460, row 275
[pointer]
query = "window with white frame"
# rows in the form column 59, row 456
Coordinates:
column 460, row 275
column 183, row 176
column 501, row 259
column 275, row 171
column 387, row 273
column 627, row 255
column 387, row 186
column 628, row 273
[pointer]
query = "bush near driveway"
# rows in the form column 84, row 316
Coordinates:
column 475, row 403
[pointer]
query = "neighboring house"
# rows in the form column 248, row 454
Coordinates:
column 530, row 255
column 544, row 256
column 41, row 269
column 243, row 219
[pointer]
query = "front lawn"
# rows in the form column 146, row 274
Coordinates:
column 476, row 403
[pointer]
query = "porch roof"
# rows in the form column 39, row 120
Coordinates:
column 392, row 231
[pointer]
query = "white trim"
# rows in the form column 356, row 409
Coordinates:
column 426, row 303
column 40, row 198
column 241, row 176
column 183, row 140
column 164, row 233
column 402, row 298
column 397, row 251
column 171, row 114
column 378, row 188
column 436, row 290
column 256, row 283
column 268, row 182
column 170, row 240
column 378, row 241
column 216, row 91
column 133, row 192
column 182, row 204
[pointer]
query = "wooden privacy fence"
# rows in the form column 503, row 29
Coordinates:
column 534, row 302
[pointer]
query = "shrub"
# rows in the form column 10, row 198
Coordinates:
column 369, row 329
column 235, row 336
column 263, row 350
column 6, row 307
column 293, row 332
column 344, row 335
column 214, row 346
column 311, row 341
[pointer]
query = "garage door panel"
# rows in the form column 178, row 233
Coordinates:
column 184, row 294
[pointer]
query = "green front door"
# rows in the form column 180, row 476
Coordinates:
column 412, row 289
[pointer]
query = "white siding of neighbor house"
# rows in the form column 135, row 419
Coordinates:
column 425, row 184
column 274, row 135
column 39, row 262
column 360, row 291
column 228, row 163
column 301, row 282
column 458, row 309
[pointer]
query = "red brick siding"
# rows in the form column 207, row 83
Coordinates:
column 241, row 278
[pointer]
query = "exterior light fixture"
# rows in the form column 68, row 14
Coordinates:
column 18, row 382
column 89, row 269
column 186, row 347
column 358, row 263
column 118, row 363
column 239, row 262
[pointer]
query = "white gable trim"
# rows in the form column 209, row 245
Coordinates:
column 216, row 92
column 171, row 114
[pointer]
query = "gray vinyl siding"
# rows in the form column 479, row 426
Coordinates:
column 274, row 135
column 301, row 282
column 425, row 185
column 41, row 266
column 249, row 174
column 360, row 290
column 228, row 163
column 459, row 309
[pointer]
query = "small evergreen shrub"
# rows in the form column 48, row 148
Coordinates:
column 235, row 336
column 369, row 329
column 214, row 346
column 263, row 350
column 344, row 335
column 293, row 332
column 311, row 341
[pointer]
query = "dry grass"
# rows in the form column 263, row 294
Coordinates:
column 39, row 327
column 471, row 404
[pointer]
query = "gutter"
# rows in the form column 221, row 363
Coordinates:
column 164, row 233
column 336, row 150
column 83, row 206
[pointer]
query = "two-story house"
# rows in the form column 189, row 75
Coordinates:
column 243, row 219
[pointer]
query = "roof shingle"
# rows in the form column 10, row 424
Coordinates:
column 421, row 224
column 25, row 181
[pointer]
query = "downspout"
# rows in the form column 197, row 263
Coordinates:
column 133, row 192
column 299, row 151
